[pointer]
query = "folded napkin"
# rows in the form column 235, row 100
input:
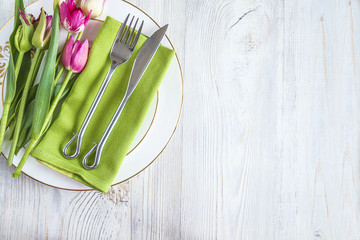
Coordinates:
column 79, row 100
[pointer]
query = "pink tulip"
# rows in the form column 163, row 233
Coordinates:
column 72, row 18
column 75, row 55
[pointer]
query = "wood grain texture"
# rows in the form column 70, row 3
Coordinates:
column 267, row 146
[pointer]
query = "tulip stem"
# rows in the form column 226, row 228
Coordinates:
column 58, row 75
column 3, row 123
column 79, row 36
column 5, row 113
column 59, row 57
column 18, row 64
column 23, row 159
column 29, row 82
column 56, row 101
column 48, row 118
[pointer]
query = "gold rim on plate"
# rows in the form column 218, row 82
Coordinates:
column 172, row 134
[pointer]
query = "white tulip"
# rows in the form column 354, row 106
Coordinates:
column 96, row 6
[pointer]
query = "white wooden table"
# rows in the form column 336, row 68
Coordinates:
column 268, row 146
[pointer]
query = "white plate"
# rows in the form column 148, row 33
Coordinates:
column 161, row 120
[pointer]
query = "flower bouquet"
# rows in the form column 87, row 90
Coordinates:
column 29, row 106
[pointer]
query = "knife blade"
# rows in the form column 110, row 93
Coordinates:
column 144, row 57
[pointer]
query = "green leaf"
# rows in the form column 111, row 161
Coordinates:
column 13, row 122
column 46, row 85
column 23, row 140
column 15, row 104
column 10, row 121
column 10, row 82
column 19, row 4
column 68, row 86
column 24, row 70
column 11, row 134
column 26, row 124
column 11, row 75
column 25, row 134
column 23, row 103
column 32, row 92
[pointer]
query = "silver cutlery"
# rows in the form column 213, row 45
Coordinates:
column 120, row 53
column 142, row 60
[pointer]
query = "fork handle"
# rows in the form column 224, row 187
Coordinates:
column 89, row 115
column 106, row 134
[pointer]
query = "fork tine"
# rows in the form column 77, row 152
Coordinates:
column 121, row 30
column 128, row 41
column 124, row 37
column 137, row 36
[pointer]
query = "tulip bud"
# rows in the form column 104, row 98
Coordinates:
column 41, row 37
column 72, row 18
column 24, row 33
column 92, row 7
column 31, row 18
column 75, row 55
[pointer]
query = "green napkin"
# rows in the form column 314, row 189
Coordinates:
column 79, row 100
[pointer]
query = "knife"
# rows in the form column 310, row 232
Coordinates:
column 144, row 57
column 141, row 62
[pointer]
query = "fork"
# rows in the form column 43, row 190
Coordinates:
column 120, row 53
